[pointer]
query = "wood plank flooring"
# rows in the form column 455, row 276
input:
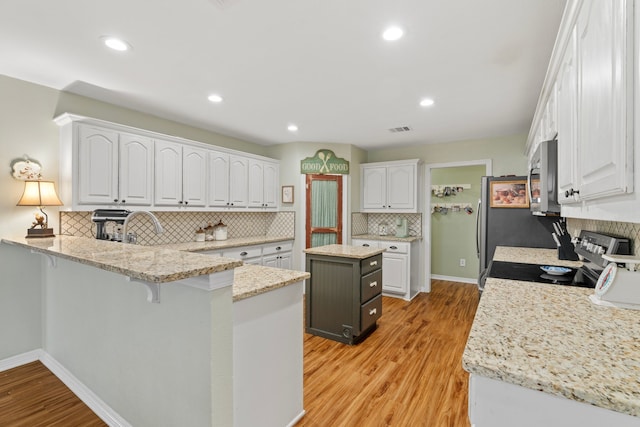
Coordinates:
column 31, row 396
column 407, row 373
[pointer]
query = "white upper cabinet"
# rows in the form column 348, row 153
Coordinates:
column 113, row 168
column 238, row 181
column 97, row 166
column 374, row 188
column 263, row 184
column 228, row 179
column 136, row 170
column 194, row 176
column 567, row 97
column 180, row 178
column 605, row 98
column 591, row 75
column 104, row 163
column 390, row 186
column 218, row 179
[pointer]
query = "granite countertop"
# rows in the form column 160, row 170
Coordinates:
column 251, row 280
column 225, row 244
column 552, row 338
column 148, row 263
column 345, row 251
column 408, row 239
column 532, row 256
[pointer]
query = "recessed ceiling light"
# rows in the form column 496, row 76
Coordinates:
column 392, row 33
column 292, row 128
column 426, row 102
column 215, row 98
column 116, row 43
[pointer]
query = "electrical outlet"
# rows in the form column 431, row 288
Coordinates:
column 463, row 262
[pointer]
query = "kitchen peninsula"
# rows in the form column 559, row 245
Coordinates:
column 150, row 336
column 542, row 354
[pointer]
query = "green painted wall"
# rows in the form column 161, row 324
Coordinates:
column 507, row 153
column 453, row 235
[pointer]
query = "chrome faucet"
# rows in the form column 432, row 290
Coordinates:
column 126, row 238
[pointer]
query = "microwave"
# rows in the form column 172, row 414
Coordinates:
column 543, row 179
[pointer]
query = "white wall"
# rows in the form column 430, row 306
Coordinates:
column 166, row 364
column 20, row 291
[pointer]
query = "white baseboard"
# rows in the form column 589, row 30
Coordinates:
column 20, row 359
column 297, row 418
column 454, row 279
column 97, row 405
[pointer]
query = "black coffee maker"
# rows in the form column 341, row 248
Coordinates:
column 101, row 216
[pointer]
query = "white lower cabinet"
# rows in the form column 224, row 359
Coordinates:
column 395, row 269
column 494, row 403
column 399, row 266
column 277, row 255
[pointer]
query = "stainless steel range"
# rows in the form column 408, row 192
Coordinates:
column 590, row 246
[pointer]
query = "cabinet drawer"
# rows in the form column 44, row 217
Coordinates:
column 370, row 285
column 365, row 243
column 277, row 248
column 370, row 264
column 370, row 313
column 243, row 253
column 395, row 247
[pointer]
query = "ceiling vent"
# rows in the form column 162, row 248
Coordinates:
column 400, row 129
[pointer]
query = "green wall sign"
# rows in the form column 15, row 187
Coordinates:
column 324, row 161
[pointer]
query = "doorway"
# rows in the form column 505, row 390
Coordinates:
column 488, row 170
column 323, row 210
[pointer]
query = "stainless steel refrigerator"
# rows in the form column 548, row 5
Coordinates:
column 507, row 226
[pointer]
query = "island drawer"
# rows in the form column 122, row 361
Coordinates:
column 370, row 285
column 370, row 313
column 370, row 264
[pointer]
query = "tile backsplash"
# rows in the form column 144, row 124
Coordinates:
column 620, row 229
column 367, row 223
column 181, row 226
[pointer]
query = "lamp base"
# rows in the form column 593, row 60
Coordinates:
column 39, row 232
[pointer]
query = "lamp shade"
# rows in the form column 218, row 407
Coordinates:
column 39, row 193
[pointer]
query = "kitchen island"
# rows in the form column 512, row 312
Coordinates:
column 542, row 354
column 344, row 293
column 147, row 335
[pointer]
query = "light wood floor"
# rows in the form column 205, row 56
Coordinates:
column 407, row 373
column 31, row 396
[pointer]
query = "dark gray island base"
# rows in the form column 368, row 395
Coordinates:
column 344, row 294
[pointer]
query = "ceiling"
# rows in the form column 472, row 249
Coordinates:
column 320, row 64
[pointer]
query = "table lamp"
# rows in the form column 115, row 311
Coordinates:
column 40, row 194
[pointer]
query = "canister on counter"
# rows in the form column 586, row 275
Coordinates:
column 220, row 231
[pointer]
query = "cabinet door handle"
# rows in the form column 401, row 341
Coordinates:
column 372, row 263
column 365, row 245
column 373, row 311
column 393, row 247
column 115, row 200
column 373, row 284
column 278, row 248
column 243, row 253
column 186, row 203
